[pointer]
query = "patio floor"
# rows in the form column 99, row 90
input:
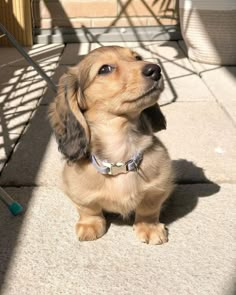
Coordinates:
column 39, row 252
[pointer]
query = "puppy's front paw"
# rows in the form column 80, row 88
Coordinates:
column 90, row 231
column 151, row 233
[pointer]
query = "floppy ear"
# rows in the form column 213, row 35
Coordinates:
column 67, row 120
column 155, row 117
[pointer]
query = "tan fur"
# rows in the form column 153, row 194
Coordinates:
column 109, row 108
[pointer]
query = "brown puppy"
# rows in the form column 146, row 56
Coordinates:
column 104, row 117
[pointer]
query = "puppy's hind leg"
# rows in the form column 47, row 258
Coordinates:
column 91, row 224
column 147, row 227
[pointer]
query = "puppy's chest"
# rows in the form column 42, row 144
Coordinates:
column 122, row 193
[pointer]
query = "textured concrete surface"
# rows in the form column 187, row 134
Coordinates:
column 39, row 252
column 201, row 139
column 43, row 256
column 42, row 54
column 36, row 160
column 224, row 88
column 49, row 94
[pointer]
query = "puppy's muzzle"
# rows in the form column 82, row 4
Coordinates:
column 152, row 71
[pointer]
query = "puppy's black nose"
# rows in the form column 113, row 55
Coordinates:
column 152, row 71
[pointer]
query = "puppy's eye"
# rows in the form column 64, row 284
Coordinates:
column 138, row 57
column 105, row 69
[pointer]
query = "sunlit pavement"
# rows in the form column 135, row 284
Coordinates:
column 39, row 253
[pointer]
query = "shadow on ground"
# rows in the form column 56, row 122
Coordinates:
column 13, row 89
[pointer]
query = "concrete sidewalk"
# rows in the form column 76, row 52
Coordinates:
column 39, row 253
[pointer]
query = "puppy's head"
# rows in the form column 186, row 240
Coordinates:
column 109, row 80
column 121, row 83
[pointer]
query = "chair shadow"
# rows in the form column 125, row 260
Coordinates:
column 183, row 199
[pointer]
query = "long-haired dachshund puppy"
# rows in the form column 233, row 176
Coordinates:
column 104, row 117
